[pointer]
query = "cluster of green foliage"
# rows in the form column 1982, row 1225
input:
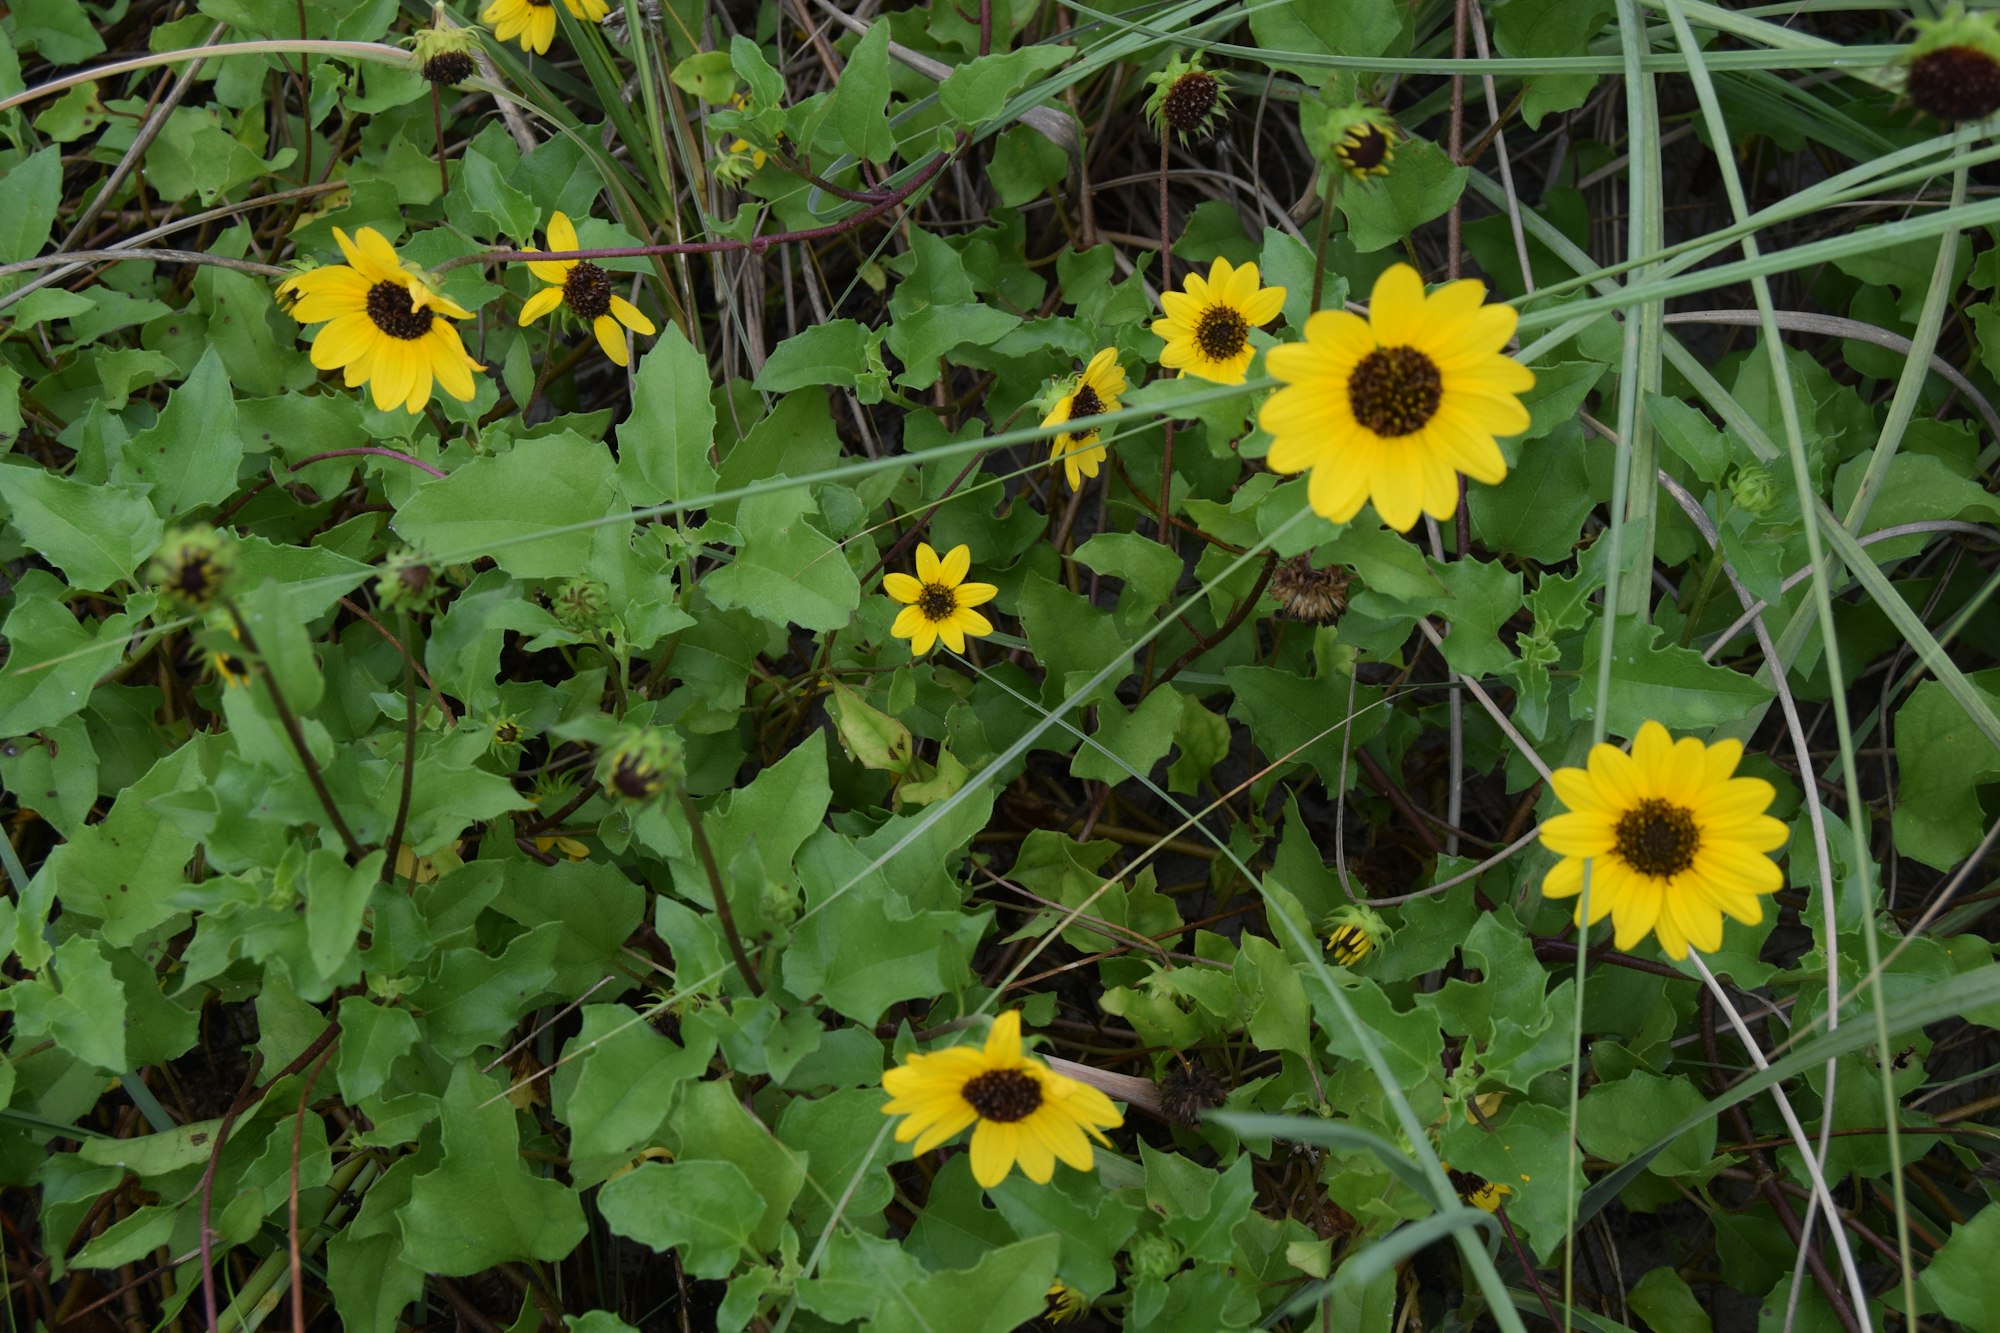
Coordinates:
column 345, row 971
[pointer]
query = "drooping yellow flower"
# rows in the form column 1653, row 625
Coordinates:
column 1476, row 1191
column 939, row 601
column 1090, row 394
column 1349, row 945
column 1675, row 841
column 1391, row 408
column 569, row 847
column 383, row 326
column 224, row 664
column 1022, row 1111
column 1364, row 142
column 534, row 21
column 585, row 289
column 1064, row 1304
column 1207, row 326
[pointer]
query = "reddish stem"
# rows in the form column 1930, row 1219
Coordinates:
column 377, row 450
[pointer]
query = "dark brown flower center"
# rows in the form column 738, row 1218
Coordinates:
column 449, row 67
column 1955, row 83
column 1005, row 1095
column 1221, row 334
column 1189, row 101
column 1364, row 148
column 1659, row 838
column 1084, row 403
column 507, row 733
column 543, row 4
column 195, row 578
column 937, row 602
column 1395, row 391
column 389, row 305
column 587, row 290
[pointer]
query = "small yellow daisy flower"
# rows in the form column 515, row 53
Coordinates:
column 1391, row 408
column 534, row 21
column 569, row 847
column 939, row 601
column 382, row 324
column 1674, row 839
column 1207, row 326
column 758, row 157
column 1090, row 394
column 1023, row 1111
column 586, row 290
column 1364, row 142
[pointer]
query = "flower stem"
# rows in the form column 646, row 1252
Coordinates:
column 706, row 855
column 296, row 734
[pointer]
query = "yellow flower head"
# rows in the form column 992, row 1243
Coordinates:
column 1477, row 1191
column 1023, row 1111
column 1207, row 326
column 1391, row 408
column 939, row 601
column 534, row 21
column 1065, row 1304
column 1674, row 840
column 1363, row 141
column 585, row 289
column 223, row 662
column 383, row 326
column 1087, row 395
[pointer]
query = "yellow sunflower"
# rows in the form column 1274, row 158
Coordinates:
column 939, row 601
column 1023, row 1112
column 586, row 290
column 1090, row 394
column 534, row 21
column 1674, row 840
column 383, row 325
column 1392, row 407
column 1064, row 1304
column 1207, row 326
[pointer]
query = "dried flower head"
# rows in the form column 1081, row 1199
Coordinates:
column 444, row 53
column 1309, row 593
column 1189, row 1089
column 1952, row 70
column 1186, row 99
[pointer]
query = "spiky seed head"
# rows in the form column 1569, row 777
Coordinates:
column 1305, row 592
column 444, row 53
column 1186, row 99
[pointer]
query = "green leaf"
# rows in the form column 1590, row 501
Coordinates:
column 96, row 535
column 861, row 99
column 1200, row 1207
column 1423, row 186
column 833, row 353
column 788, row 571
column 1941, row 760
column 1148, row 568
column 1074, row 639
column 1962, row 1277
column 1652, row 680
column 1308, row 27
column 483, row 1206
column 506, row 507
column 1617, row 1121
column 80, row 1004
column 28, row 195
column 711, row 1125
column 973, row 93
column 663, row 446
column 336, row 898
column 372, row 1038
column 615, row 1096
column 61, row 30
column 1668, row 1305
column 53, row 662
column 1136, row 740
column 703, row 1209
column 922, row 338
column 476, row 997
column 707, row 75
column 1000, row 1293
column 130, row 1238
column 189, row 456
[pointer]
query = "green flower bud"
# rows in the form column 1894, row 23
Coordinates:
column 193, row 567
column 1154, row 1256
column 579, row 604
column 779, row 902
column 640, row 766
column 407, row 582
column 506, row 733
column 1356, row 933
column 1752, row 490
column 1361, row 140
